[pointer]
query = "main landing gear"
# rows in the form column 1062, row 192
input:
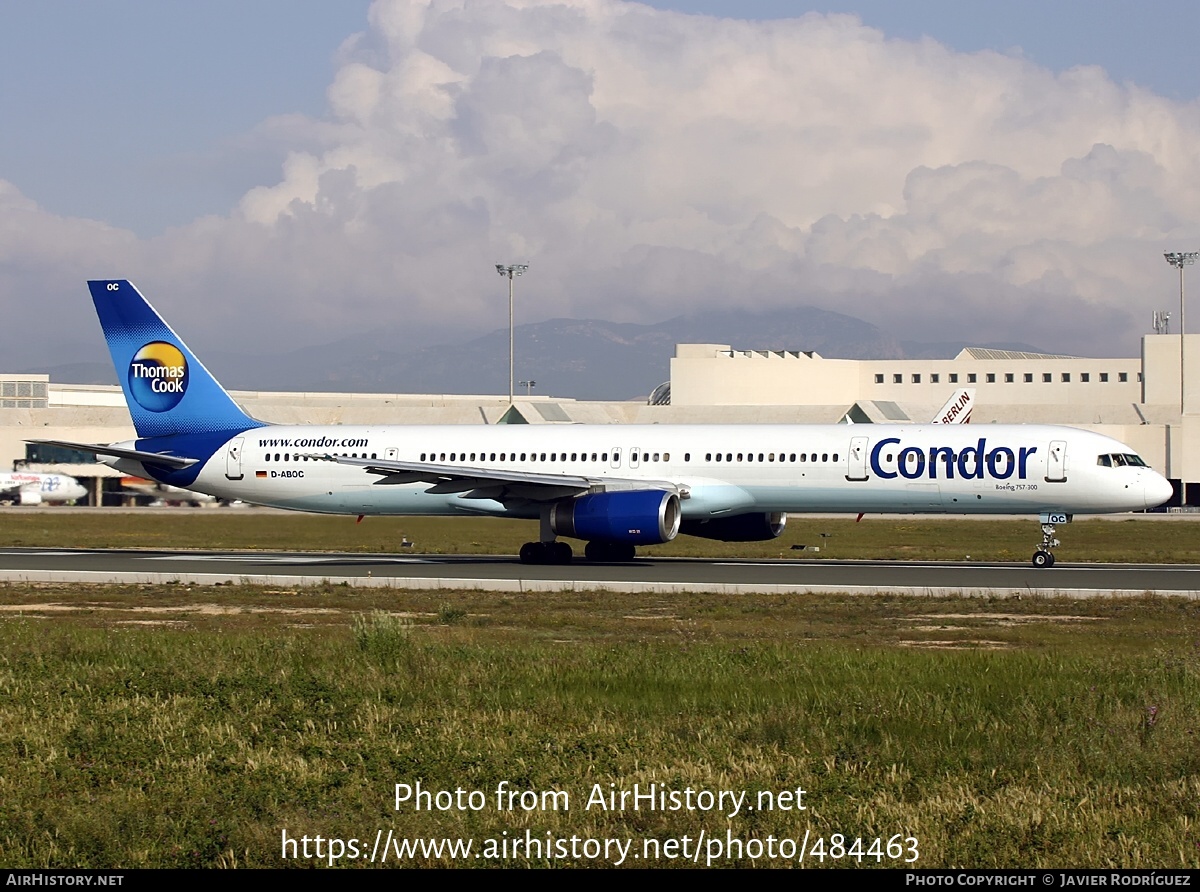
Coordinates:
column 608, row 552
column 550, row 551
column 1044, row 557
column 546, row 553
column 560, row 552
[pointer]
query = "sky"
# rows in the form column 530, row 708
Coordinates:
column 281, row 174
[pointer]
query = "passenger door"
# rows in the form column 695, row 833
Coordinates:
column 856, row 459
column 233, row 459
column 1056, row 462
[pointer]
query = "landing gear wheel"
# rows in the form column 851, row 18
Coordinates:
column 546, row 553
column 608, row 552
column 1043, row 559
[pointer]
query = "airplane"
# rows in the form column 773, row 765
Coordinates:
column 614, row 486
column 957, row 409
column 26, row 488
column 159, row 493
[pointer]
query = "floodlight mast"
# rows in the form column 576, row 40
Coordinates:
column 511, row 270
column 1180, row 259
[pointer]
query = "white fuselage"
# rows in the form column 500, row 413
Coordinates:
column 719, row 470
column 32, row 489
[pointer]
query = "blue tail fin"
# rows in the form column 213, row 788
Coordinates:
column 167, row 389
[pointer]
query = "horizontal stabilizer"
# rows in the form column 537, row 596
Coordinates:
column 156, row 458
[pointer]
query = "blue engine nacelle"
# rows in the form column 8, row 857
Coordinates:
column 636, row 517
column 741, row 528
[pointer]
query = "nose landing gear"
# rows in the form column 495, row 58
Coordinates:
column 1044, row 557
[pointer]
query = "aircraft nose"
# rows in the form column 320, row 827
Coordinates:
column 1158, row 490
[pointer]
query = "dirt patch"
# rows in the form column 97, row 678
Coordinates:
column 1000, row 619
column 962, row 644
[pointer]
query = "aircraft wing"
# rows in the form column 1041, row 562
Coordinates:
column 501, row 484
column 157, row 458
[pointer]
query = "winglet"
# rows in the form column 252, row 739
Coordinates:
column 168, row 390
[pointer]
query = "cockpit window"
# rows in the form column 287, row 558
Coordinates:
column 1120, row 459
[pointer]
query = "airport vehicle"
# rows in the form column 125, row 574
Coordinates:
column 24, row 488
column 614, row 486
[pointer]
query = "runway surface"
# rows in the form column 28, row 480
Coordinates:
column 503, row 573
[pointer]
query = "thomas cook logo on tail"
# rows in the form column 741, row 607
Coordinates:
column 158, row 376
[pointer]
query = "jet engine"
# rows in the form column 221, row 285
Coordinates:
column 635, row 517
column 740, row 528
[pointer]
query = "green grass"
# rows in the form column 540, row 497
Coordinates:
column 174, row 726
column 1157, row 540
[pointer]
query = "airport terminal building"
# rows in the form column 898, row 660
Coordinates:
column 1137, row 401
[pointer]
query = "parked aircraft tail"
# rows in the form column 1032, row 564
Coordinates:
column 957, row 409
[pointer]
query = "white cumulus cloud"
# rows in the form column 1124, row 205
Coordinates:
column 647, row 163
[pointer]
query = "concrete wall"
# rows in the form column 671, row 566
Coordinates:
column 714, row 374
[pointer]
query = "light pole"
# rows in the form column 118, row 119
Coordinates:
column 528, row 385
column 511, row 270
column 1180, row 259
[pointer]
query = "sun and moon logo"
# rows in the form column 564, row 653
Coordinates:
column 158, row 376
